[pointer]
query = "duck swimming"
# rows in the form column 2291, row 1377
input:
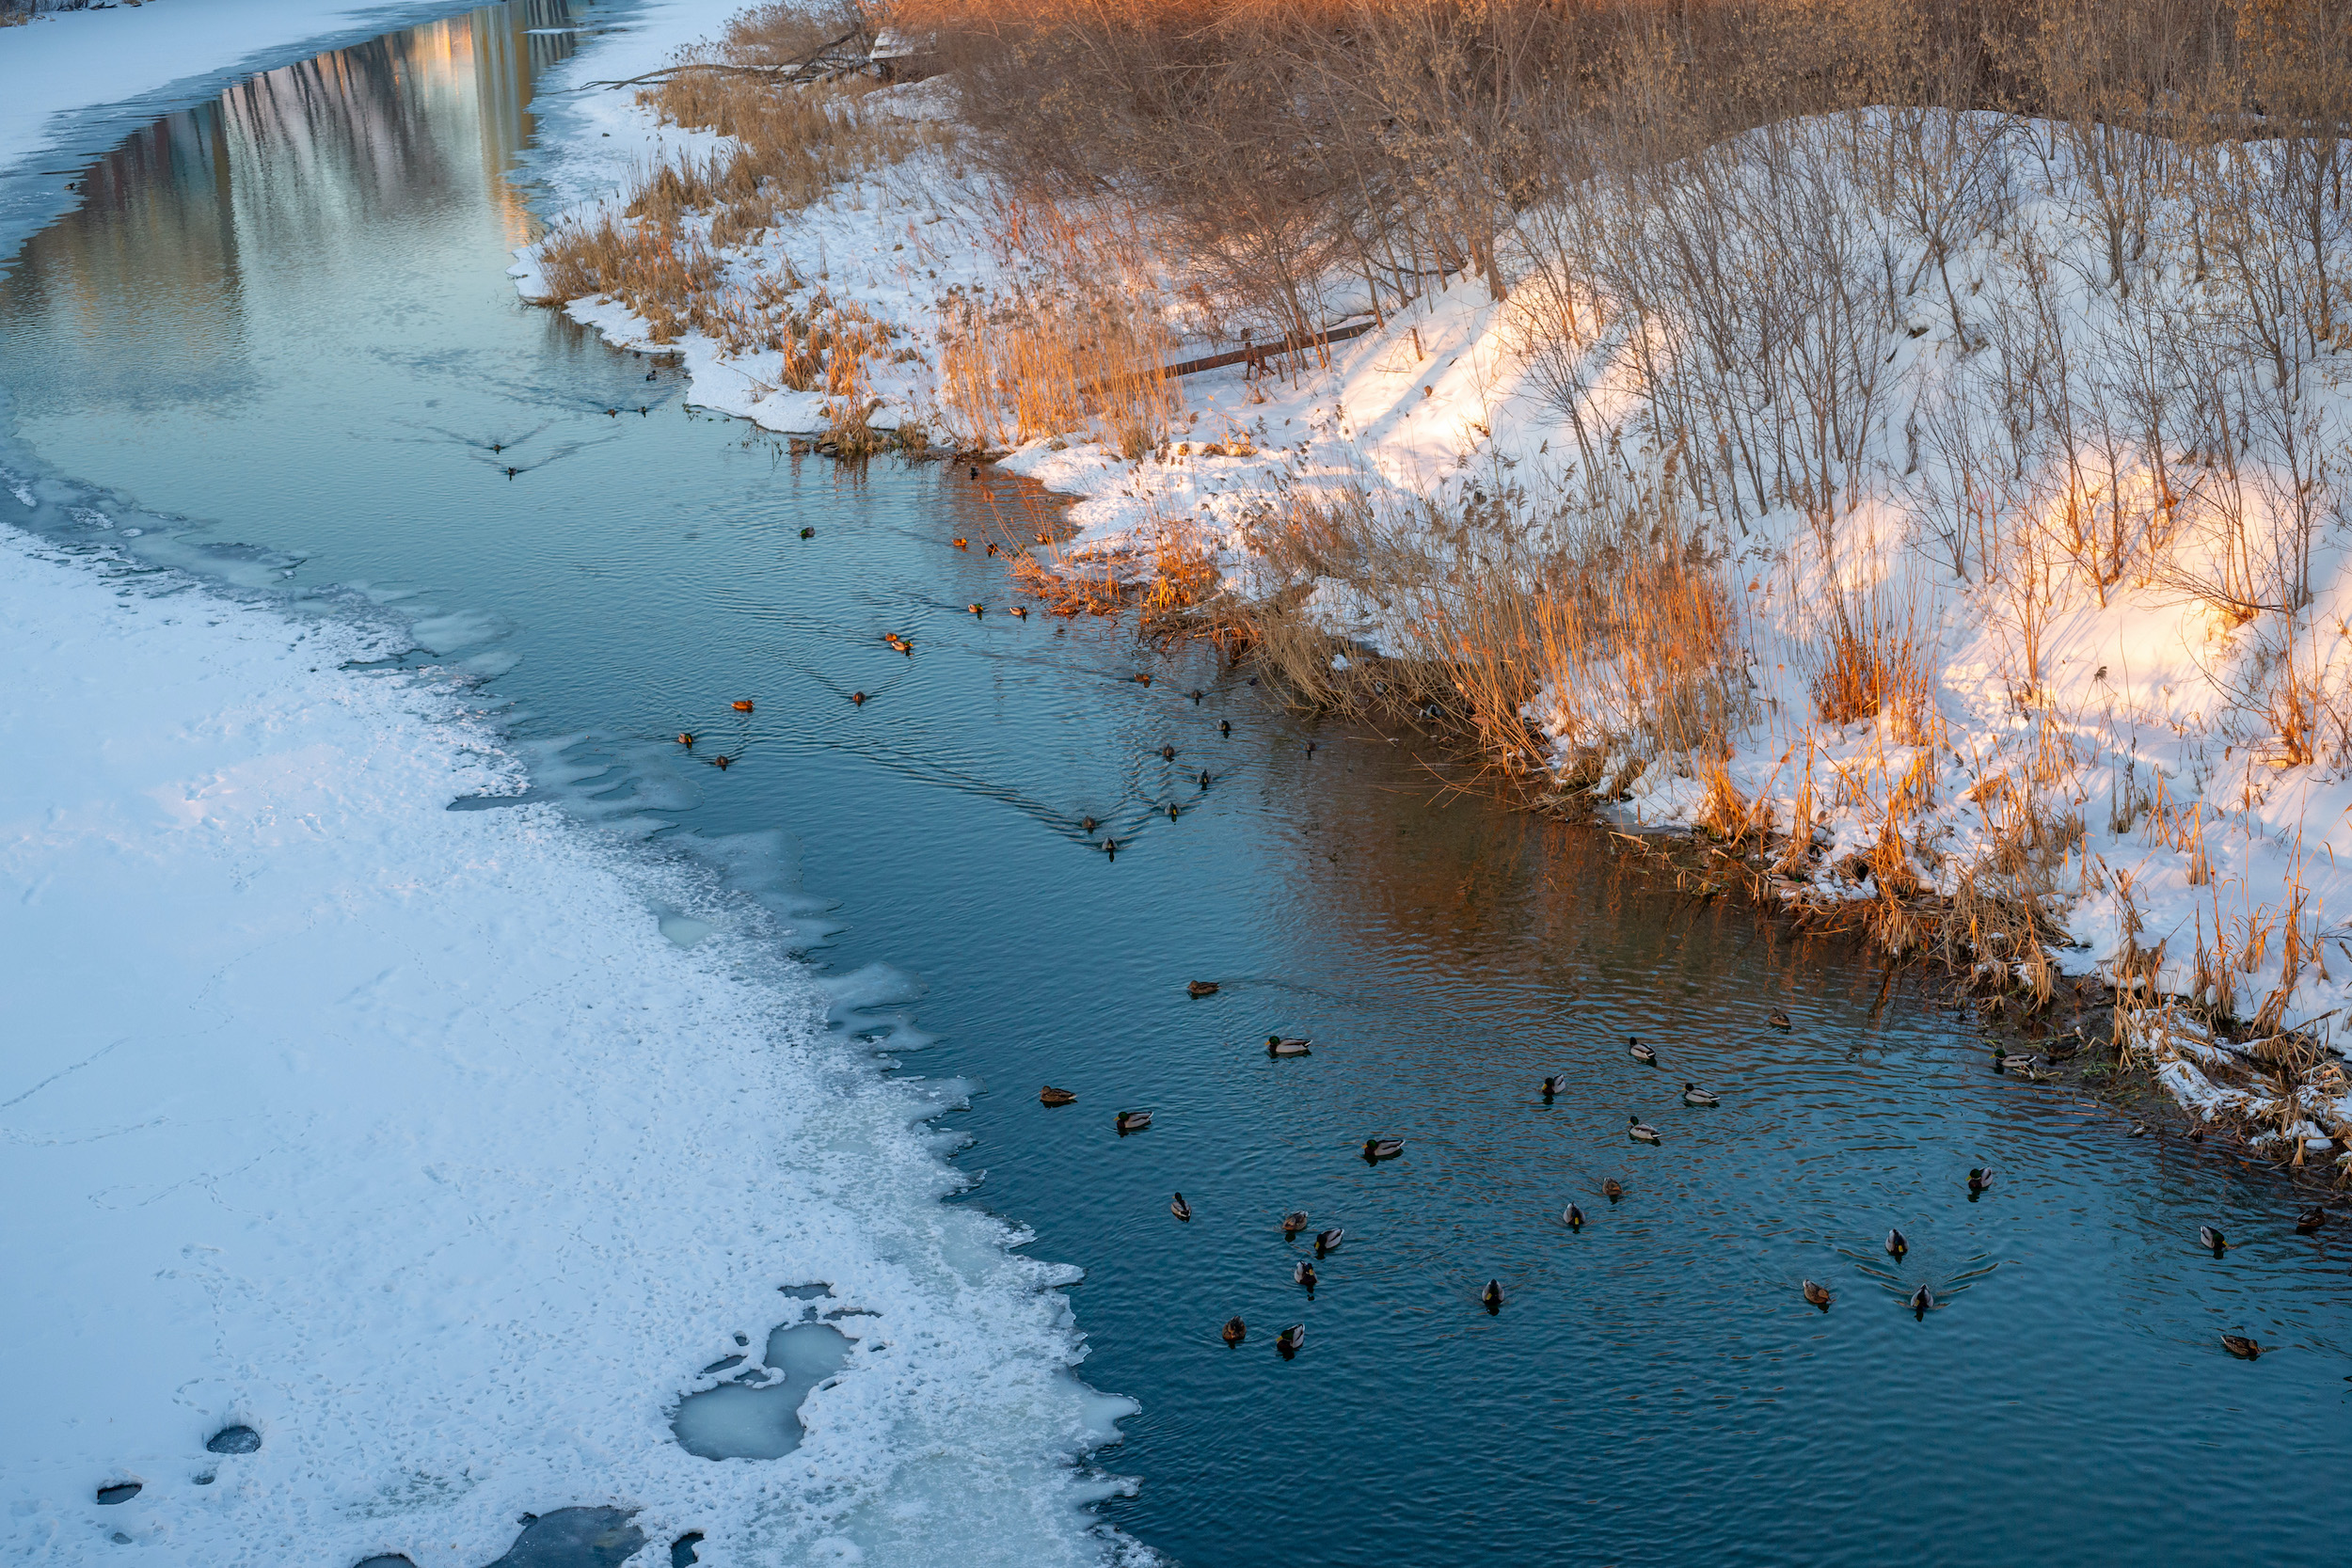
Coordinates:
column 1305, row 1274
column 1640, row 1053
column 686, row 739
column 1922, row 1303
column 1173, row 811
column 857, row 698
column 1978, row 1179
column 1817, row 1296
column 1167, row 753
column 1383, row 1148
column 1200, row 987
column 960, row 542
column 1778, row 1020
column 1573, row 1217
column 744, row 706
column 1292, row 1223
column 1694, row 1094
column 1638, row 1132
column 1556, row 1084
column 1225, row 726
column 1133, row 1121
column 721, row 763
column 1052, row 1096
column 1611, row 1191
column 1329, row 1241
column 2212, row 1239
column 1182, row 1209
column 1289, row 1339
column 2240, row 1346
column 1235, row 1330
column 1276, row 1045
column 1896, row 1244
column 2309, row 1220
column 1492, row 1296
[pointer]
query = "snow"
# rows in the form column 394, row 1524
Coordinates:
column 407, row 1137
column 2138, row 721
column 441, row 1149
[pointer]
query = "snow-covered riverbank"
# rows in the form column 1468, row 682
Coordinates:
column 443, row 1150
column 2103, row 708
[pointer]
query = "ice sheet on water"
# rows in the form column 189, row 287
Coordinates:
column 449, row 631
column 546, row 1078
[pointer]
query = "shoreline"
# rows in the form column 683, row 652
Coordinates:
column 2161, row 842
column 449, row 1090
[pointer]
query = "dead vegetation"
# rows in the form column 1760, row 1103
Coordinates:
column 668, row 252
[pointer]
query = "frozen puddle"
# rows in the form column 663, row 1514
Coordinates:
column 756, row 1415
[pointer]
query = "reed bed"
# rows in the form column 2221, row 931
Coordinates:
column 1076, row 344
column 665, row 253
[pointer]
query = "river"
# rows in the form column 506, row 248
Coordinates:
column 278, row 339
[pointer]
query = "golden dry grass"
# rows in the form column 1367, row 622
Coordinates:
column 662, row 255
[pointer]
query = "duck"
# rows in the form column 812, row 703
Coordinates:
column 1310, row 748
column 1289, row 1339
column 2139, row 1130
column 1052, row 1096
column 1174, row 811
column 806, row 532
column 1640, row 1053
column 857, row 698
column 1200, row 987
column 1305, row 1274
column 1204, row 779
column 1383, row 1148
column 960, row 543
column 1492, row 1296
column 743, row 704
column 1167, row 753
column 2309, row 1220
column 1085, row 824
column 1235, row 1330
column 1922, row 1302
column 1133, row 1121
column 1182, row 1209
column 1110, row 848
column 686, row 738
column 2241, row 1347
column 1638, row 1132
column 992, row 547
column 1276, row 1045
column 1817, row 1296
column 1573, row 1217
column 1143, row 678
column 1292, row 1223
column 1778, row 1020
column 1196, row 694
column 1224, row 727
column 1556, row 1084
column 976, row 609
column 1611, row 1191
column 2212, row 1239
column 1329, row 1241
column 1020, row 612
column 1896, row 1244
column 975, row 470
column 1694, row 1094
column 1979, row 1177
column 2000, row 1058
column 721, row 763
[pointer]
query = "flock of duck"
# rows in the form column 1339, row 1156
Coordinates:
column 1921, row 1301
